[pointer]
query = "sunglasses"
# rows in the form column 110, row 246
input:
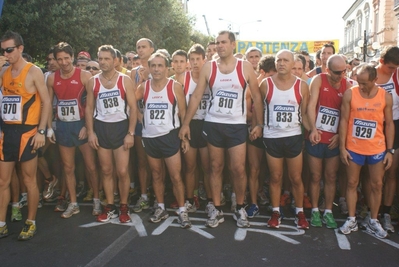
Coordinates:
column 92, row 68
column 8, row 50
column 338, row 72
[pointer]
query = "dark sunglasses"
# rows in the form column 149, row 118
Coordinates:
column 338, row 72
column 92, row 68
column 8, row 50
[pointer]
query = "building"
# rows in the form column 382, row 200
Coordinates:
column 377, row 18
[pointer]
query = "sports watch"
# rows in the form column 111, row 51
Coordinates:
column 391, row 150
column 41, row 131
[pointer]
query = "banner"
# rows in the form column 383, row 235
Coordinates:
column 274, row 46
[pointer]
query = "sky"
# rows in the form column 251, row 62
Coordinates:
column 281, row 20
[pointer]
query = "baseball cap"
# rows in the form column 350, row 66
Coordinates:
column 84, row 54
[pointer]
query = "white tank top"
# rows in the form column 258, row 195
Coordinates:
column 160, row 110
column 110, row 103
column 189, row 87
column 227, row 103
column 392, row 87
column 282, row 111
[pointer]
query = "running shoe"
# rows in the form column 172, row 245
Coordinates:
column 132, row 192
column 124, row 214
column 306, row 202
column 80, row 189
column 16, row 214
column 241, row 217
column 222, row 199
column 159, row 215
column 387, row 223
column 71, row 210
column 348, row 227
column 109, row 212
column 275, row 220
column 3, row 231
column 300, row 221
column 376, row 229
column 209, row 207
column 49, row 188
column 285, row 199
column 252, row 211
column 329, row 221
column 201, row 191
column 215, row 217
column 196, row 202
column 315, row 219
column 141, row 204
column 363, row 224
column 89, row 196
column 61, row 204
column 233, row 203
column 96, row 207
column 190, row 207
column 174, row 205
column 23, row 201
column 27, row 232
column 262, row 197
column 40, row 203
column 183, row 219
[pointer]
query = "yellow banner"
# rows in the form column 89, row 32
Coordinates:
column 295, row 46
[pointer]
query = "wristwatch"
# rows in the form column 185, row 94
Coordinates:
column 41, row 131
column 130, row 133
column 391, row 150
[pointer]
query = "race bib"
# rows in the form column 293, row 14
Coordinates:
column 283, row 116
column 110, row 102
column 201, row 110
column 364, row 129
column 11, row 108
column 388, row 87
column 68, row 110
column 225, row 101
column 328, row 119
column 157, row 114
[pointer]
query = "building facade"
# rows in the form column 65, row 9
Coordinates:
column 377, row 18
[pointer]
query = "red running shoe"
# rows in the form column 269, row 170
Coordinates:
column 300, row 221
column 124, row 214
column 196, row 202
column 275, row 220
column 285, row 200
column 108, row 213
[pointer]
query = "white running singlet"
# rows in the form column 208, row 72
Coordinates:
column 160, row 110
column 392, row 87
column 189, row 86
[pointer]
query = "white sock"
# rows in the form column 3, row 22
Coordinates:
column 33, row 222
column 15, row 204
column 182, row 209
column 276, row 209
column 95, row 199
column 315, row 209
column 161, row 205
column 144, row 196
column 352, row 218
column 327, row 211
column 131, row 185
column 74, row 203
column 298, row 210
column 373, row 220
column 2, row 224
column 24, row 194
column 286, row 192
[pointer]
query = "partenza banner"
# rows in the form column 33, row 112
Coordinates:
column 272, row 47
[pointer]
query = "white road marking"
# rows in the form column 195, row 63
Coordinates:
column 241, row 233
column 343, row 241
column 386, row 241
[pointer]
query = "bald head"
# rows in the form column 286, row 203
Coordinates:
column 285, row 53
column 336, row 62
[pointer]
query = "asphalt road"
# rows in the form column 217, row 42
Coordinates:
column 80, row 241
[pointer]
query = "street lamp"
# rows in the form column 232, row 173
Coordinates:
column 362, row 48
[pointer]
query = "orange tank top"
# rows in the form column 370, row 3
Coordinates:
column 18, row 105
column 365, row 134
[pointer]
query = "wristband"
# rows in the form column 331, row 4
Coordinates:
column 50, row 132
column 260, row 125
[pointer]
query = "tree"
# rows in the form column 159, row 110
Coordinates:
column 90, row 23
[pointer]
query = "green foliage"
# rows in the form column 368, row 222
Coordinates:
column 87, row 24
